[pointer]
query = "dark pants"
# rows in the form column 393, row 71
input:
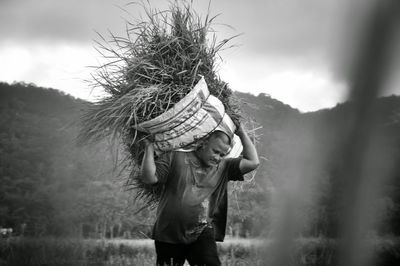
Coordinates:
column 202, row 252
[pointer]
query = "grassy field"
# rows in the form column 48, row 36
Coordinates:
column 238, row 252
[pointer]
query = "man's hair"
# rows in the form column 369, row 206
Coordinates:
column 221, row 135
column 215, row 134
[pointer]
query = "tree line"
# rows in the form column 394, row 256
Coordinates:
column 52, row 186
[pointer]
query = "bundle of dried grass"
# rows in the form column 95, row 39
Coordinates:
column 149, row 70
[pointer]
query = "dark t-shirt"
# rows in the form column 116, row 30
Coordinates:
column 193, row 197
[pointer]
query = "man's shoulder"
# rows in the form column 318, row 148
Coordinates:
column 175, row 156
column 232, row 168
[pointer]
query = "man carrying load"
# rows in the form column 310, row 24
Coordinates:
column 151, row 93
column 192, row 210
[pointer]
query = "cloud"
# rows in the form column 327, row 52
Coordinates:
column 289, row 48
column 56, row 20
column 304, row 84
column 60, row 66
column 274, row 32
column 285, row 25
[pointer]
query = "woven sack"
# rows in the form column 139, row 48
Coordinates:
column 195, row 116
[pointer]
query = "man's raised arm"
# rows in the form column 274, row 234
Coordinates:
column 148, row 167
column 250, row 159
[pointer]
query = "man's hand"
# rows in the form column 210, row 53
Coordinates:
column 148, row 145
column 239, row 130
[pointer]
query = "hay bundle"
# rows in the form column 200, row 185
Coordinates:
column 150, row 70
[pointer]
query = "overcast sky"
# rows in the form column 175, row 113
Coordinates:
column 288, row 49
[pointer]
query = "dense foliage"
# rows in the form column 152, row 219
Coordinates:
column 51, row 186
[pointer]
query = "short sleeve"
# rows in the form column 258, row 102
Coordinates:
column 233, row 170
column 163, row 166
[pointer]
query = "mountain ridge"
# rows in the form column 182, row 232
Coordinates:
column 46, row 176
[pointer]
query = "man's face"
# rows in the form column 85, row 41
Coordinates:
column 214, row 150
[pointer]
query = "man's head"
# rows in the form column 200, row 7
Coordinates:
column 214, row 148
